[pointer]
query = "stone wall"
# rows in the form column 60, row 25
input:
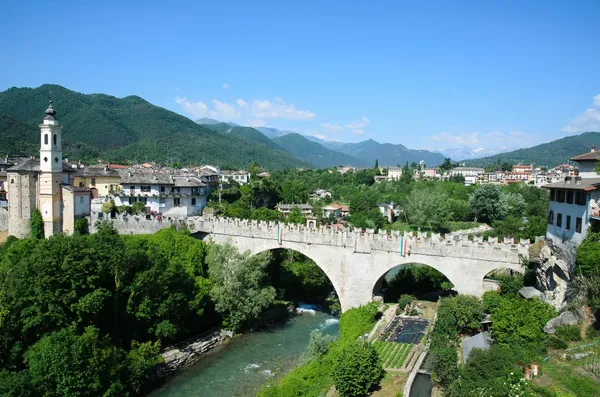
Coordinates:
column 3, row 219
column 187, row 352
column 134, row 224
column 458, row 246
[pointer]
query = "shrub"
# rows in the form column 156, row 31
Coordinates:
column 81, row 227
column 357, row 369
column 124, row 209
column 358, row 321
column 569, row 333
column 138, row 208
column 108, row 207
column 510, row 284
column 554, row 342
column 36, row 225
column 318, row 344
column 405, row 299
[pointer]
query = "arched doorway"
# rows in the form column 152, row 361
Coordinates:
column 422, row 281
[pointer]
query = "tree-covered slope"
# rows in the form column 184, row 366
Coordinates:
column 547, row 154
column 245, row 132
column 124, row 129
column 315, row 153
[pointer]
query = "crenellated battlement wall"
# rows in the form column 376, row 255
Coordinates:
column 503, row 249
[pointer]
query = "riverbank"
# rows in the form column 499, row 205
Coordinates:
column 246, row 363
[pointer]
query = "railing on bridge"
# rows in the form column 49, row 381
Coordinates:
column 503, row 249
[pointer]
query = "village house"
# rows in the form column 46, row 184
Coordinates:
column 394, row 173
column 102, row 180
column 163, row 193
column 338, row 211
column 575, row 201
column 305, row 209
column 523, row 168
column 227, row 176
column 321, row 194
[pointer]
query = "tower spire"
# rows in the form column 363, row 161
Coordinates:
column 50, row 112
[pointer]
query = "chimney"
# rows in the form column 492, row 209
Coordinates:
column 593, row 149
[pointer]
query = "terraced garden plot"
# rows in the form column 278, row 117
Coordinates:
column 393, row 354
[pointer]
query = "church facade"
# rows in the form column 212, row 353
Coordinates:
column 45, row 184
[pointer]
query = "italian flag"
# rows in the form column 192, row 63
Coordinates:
column 279, row 235
column 403, row 246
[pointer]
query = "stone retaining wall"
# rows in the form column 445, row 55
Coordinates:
column 188, row 352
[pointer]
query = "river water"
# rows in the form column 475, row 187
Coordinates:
column 248, row 362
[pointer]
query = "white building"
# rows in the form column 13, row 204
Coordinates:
column 163, row 193
column 575, row 201
column 394, row 173
column 227, row 176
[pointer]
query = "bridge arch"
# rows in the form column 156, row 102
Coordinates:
column 421, row 280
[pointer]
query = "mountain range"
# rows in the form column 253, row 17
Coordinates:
column 99, row 126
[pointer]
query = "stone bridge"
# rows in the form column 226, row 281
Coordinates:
column 356, row 262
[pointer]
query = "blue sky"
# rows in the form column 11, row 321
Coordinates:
column 430, row 75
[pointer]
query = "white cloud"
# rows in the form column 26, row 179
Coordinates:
column 332, row 127
column 242, row 104
column 225, row 111
column 478, row 150
column 225, row 85
column 196, row 109
column 589, row 120
column 359, row 124
column 279, row 110
column 462, row 139
column 321, row 136
column 357, row 131
column 256, row 123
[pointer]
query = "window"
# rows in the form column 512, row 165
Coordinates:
column 93, row 183
column 560, row 196
column 131, row 200
column 143, row 200
column 176, row 190
column 80, row 184
column 559, row 220
column 54, row 139
column 176, row 202
column 145, row 189
column 578, row 224
column 193, row 200
column 162, row 189
column 551, row 217
column 580, row 198
column 80, row 200
column 45, row 139
column 161, row 200
column 568, row 224
column 569, row 197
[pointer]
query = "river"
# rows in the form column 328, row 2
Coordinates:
column 250, row 361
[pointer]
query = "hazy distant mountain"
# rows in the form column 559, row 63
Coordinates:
column 547, row 154
column 315, row 153
column 273, row 132
column 466, row 153
column 208, row 121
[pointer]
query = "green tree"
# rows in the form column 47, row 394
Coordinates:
column 138, row 208
column 486, row 204
column 81, row 226
column 108, row 207
column 357, row 369
column 407, row 174
column 318, row 345
column 588, row 256
column 36, row 225
column 446, row 165
column 376, row 164
column 427, row 208
column 295, row 216
column 239, row 287
column 67, row 364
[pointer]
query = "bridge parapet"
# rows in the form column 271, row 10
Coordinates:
column 504, row 249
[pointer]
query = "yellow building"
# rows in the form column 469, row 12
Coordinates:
column 102, row 180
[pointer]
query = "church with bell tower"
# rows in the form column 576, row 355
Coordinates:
column 45, row 184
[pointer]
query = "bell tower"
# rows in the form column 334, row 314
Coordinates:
column 51, row 173
column 50, row 139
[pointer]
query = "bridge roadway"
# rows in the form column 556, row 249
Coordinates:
column 356, row 262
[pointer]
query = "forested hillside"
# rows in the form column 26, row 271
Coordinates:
column 124, row 129
column 547, row 154
column 315, row 153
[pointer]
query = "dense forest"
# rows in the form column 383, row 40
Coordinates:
column 89, row 314
column 125, row 130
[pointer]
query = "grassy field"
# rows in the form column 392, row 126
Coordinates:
column 393, row 354
column 564, row 378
